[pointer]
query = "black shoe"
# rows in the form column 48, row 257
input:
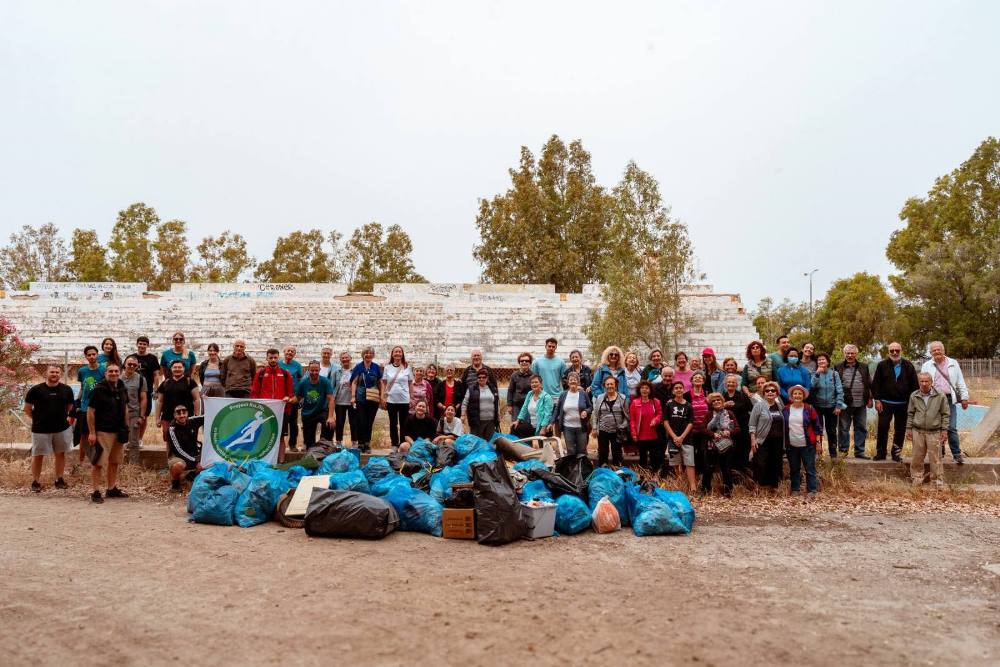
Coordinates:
column 879, row 457
column 960, row 461
column 175, row 485
column 61, row 484
column 897, row 458
column 863, row 457
column 36, row 487
column 115, row 492
column 96, row 497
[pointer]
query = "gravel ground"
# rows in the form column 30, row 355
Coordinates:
column 132, row 582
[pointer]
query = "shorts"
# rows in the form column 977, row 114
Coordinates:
column 43, row 444
column 687, row 455
column 111, row 449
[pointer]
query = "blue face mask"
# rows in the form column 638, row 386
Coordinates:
column 793, row 361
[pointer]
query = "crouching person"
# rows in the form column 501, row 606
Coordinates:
column 927, row 415
column 185, row 449
column 107, row 422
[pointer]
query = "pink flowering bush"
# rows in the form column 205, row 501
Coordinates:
column 15, row 365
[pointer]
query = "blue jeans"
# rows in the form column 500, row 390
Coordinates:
column 859, row 417
column 576, row 441
column 797, row 456
column 956, row 450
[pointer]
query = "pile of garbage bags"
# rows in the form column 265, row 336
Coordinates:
column 409, row 492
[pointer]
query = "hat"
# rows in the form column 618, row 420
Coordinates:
column 708, row 351
column 798, row 386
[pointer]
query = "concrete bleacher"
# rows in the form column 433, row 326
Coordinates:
column 433, row 322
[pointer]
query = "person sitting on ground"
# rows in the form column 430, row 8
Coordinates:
column 927, row 418
column 107, row 425
column 48, row 405
column 679, row 422
column 577, row 366
column 791, row 373
column 804, row 438
column 535, row 416
column 183, row 447
column 644, row 414
column 721, row 426
column 418, row 425
column 449, row 427
column 571, row 415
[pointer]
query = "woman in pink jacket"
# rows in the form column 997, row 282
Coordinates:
column 645, row 413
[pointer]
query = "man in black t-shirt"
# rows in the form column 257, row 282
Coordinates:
column 149, row 368
column 107, row 421
column 183, row 448
column 48, row 405
column 176, row 390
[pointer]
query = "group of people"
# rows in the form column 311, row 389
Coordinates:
column 696, row 417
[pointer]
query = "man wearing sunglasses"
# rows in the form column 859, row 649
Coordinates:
column 894, row 381
column 138, row 391
column 107, row 419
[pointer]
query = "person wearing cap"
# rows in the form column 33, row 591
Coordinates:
column 791, row 373
column 715, row 376
column 803, row 439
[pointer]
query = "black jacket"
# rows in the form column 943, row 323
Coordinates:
column 885, row 386
column 518, row 389
column 457, row 394
column 469, row 377
column 865, row 378
column 183, row 441
column 109, row 404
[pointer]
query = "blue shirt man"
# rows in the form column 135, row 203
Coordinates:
column 550, row 368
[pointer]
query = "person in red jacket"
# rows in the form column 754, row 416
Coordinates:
column 274, row 382
column 645, row 414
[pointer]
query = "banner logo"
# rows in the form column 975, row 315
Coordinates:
column 244, row 430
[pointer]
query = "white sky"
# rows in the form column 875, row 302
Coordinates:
column 792, row 131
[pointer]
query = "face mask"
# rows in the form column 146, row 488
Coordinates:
column 792, row 361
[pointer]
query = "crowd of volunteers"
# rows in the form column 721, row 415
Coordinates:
column 697, row 417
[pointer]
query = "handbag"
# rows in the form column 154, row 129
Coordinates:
column 371, row 393
column 621, row 432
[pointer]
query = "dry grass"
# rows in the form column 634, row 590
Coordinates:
column 15, row 478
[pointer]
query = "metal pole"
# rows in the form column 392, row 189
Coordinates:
column 809, row 275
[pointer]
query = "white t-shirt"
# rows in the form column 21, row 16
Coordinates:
column 533, row 409
column 400, row 390
column 796, row 427
column 454, row 428
column 327, row 371
column 571, row 410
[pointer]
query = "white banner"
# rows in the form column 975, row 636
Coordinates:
column 241, row 429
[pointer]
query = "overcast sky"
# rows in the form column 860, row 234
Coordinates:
column 792, row 132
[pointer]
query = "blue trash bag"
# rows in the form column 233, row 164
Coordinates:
column 207, row 481
column 651, row 515
column 295, row 475
column 605, row 482
column 572, row 515
column 536, row 490
column 681, row 506
column 418, row 511
column 353, row 480
column 218, row 507
column 421, row 452
column 468, row 443
column 442, row 481
column 377, row 468
column 479, row 456
column 356, row 451
column 383, row 486
column 528, row 465
column 341, row 461
column 258, row 501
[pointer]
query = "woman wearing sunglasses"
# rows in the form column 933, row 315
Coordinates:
column 767, row 437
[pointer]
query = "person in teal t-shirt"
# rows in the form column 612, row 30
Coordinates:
column 314, row 395
column 294, row 369
column 88, row 376
column 550, row 368
column 177, row 353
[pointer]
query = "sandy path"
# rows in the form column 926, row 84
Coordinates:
column 132, row 582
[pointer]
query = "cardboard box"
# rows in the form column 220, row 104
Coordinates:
column 458, row 524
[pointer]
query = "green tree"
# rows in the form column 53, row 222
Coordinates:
column 297, row 258
column 380, row 255
column 856, row 310
column 222, row 259
column 172, row 254
column 948, row 257
column 550, row 226
column 785, row 319
column 645, row 274
column 88, row 258
column 33, row 254
column 132, row 258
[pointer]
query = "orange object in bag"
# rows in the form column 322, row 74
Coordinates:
column 605, row 517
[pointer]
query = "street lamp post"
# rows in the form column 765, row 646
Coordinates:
column 809, row 275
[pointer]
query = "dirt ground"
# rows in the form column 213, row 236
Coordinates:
column 132, row 582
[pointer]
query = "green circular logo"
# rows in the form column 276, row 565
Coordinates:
column 244, row 430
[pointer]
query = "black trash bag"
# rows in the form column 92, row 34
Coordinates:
column 461, row 499
column 322, row 448
column 575, row 468
column 334, row 513
column 557, row 484
column 445, row 455
column 402, row 466
column 422, row 481
column 500, row 519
